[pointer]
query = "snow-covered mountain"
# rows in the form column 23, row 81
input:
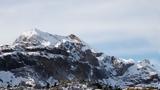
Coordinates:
column 39, row 59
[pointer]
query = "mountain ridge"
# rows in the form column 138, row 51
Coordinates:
column 39, row 59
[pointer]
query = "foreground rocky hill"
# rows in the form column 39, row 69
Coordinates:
column 41, row 60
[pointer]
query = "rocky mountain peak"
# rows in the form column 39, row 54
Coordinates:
column 74, row 37
column 36, row 37
column 40, row 59
column 145, row 61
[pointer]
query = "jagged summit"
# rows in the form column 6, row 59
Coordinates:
column 36, row 37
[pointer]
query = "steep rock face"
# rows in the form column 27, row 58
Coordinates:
column 39, row 59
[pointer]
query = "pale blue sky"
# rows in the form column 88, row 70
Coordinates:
column 124, row 28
